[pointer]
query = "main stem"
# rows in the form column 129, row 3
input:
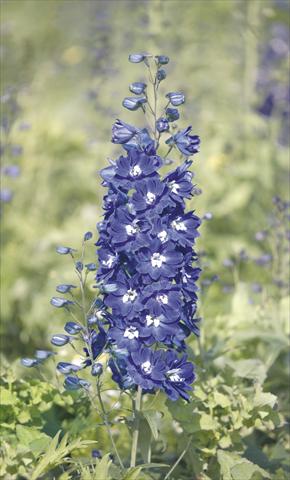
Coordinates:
column 137, row 409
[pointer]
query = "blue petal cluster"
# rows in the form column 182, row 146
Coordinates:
column 146, row 251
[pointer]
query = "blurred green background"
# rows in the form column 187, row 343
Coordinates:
column 64, row 74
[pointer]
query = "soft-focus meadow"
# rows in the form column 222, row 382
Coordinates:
column 63, row 77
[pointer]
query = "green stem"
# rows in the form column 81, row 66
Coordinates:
column 179, row 459
column 106, row 422
column 137, row 409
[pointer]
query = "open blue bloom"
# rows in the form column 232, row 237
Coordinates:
column 163, row 297
column 179, row 376
column 179, row 182
column 150, row 197
column 147, row 368
column 127, row 229
column 135, row 167
column 159, row 260
column 126, row 336
column 186, row 143
column 183, row 228
column 126, row 300
column 157, row 327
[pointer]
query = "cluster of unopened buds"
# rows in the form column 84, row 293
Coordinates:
column 146, row 269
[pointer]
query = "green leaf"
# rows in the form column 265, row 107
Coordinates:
column 132, row 474
column 235, row 467
column 252, row 368
column 57, row 453
column 145, row 439
column 221, row 400
column 151, row 417
column 102, row 468
column 207, row 422
column 7, row 397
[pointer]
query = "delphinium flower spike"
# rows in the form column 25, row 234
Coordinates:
column 146, row 245
column 146, row 269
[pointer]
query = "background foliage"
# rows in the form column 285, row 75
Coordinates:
column 64, row 77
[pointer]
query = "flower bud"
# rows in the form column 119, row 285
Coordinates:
column 91, row 267
column 96, row 453
column 29, row 362
column 176, row 98
column 59, row 340
column 133, row 103
column 72, row 383
column 87, row 236
column 136, row 57
column 72, row 328
column 162, row 125
column 161, row 75
column 172, row 114
column 137, row 87
column 97, row 369
column 64, row 288
column 64, row 250
column 162, row 59
column 60, row 302
column 65, row 368
column 43, row 354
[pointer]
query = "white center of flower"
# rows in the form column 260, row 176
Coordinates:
column 185, row 277
column 152, row 320
column 131, row 229
column 135, row 171
column 162, row 236
column 99, row 314
column 109, row 262
column 174, row 187
column 146, row 367
column 157, row 260
column 129, row 296
column 174, row 375
column 162, row 298
column 150, row 198
column 179, row 226
column 131, row 333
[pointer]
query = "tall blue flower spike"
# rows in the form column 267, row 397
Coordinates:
column 146, row 246
column 146, row 269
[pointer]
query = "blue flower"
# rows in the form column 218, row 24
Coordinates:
column 150, row 195
column 164, row 298
column 159, row 260
column 126, row 229
column 122, row 132
column 179, row 376
column 136, row 166
column 63, row 288
column 126, row 300
column 176, row 98
column 186, row 143
column 126, row 336
column 157, row 327
column 147, row 368
column 179, row 182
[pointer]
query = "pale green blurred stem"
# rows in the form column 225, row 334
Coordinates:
column 137, row 407
column 179, row 459
column 107, row 424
